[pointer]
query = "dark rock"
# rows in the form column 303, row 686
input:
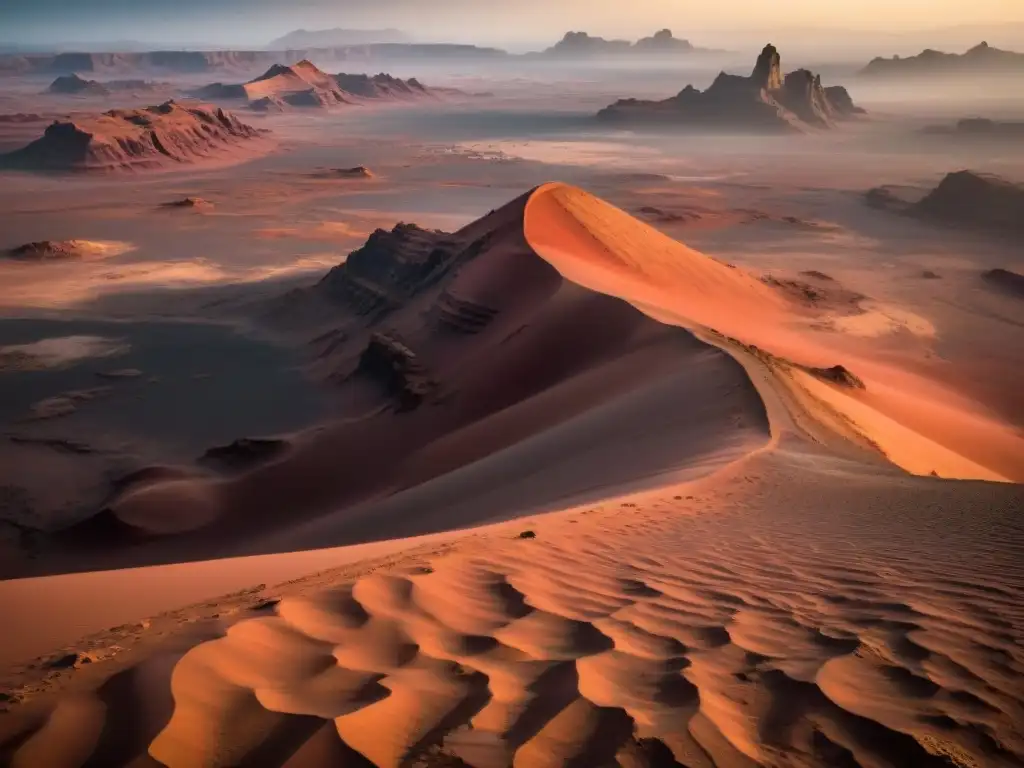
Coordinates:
column 46, row 250
column 1006, row 280
column 976, row 200
column 397, row 367
column 527, row 535
column 73, row 84
column 837, row 374
column 243, row 454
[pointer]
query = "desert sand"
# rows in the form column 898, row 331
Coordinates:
column 692, row 458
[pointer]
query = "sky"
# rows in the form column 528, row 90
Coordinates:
column 510, row 23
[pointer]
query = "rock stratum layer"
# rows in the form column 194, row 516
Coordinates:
column 167, row 135
column 766, row 101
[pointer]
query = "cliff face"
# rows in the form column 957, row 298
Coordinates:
column 765, row 101
column 130, row 139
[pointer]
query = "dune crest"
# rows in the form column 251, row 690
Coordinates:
column 605, row 249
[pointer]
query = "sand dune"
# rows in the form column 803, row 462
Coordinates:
column 730, row 549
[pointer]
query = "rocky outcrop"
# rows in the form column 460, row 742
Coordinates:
column 962, row 199
column 1005, row 280
column 131, row 139
column 305, row 85
column 976, row 200
column 765, row 101
column 397, row 368
column 188, row 202
column 47, row 250
column 981, row 59
column 389, row 268
column 75, row 85
column 767, row 72
column 841, row 101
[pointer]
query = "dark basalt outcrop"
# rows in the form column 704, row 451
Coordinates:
column 981, row 59
column 397, row 368
column 766, row 101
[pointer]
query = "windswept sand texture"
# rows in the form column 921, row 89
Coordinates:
column 739, row 573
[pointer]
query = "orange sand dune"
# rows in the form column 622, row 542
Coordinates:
column 605, row 249
column 735, row 555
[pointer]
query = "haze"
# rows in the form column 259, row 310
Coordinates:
column 903, row 24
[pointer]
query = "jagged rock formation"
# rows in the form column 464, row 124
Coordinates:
column 305, row 85
column 766, row 101
column 964, row 199
column 980, row 128
column 981, row 59
column 129, row 139
column 73, row 84
column 388, row 269
column 577, row 44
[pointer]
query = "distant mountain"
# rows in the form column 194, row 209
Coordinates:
column 575, row 44
column 982, row 58
column 337, row 37
column 190, row 62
